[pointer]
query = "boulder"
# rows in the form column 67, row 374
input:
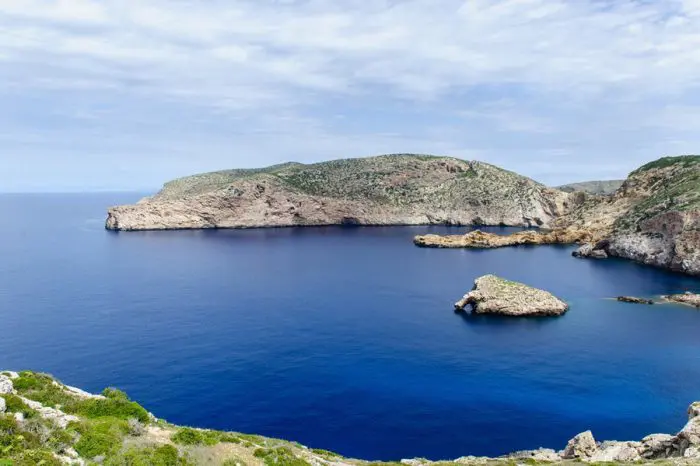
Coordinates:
column 3, row 405
column 617, row 451
column 694, row 410
column 545, row 455
column 582, row 446
column 633, row 300
column 657, row 446
column 591, row 251
column 495, row 295
column 5, row 385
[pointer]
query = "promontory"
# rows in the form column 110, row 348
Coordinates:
column 400, row 189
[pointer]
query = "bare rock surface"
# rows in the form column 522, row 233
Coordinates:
column 583, row 446
column 691, row 299
column 384, row 190
column 481, row 240
column 495, row 295
column 5, row 385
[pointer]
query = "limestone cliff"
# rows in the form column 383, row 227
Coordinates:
column 654, row 218
column 384, row 190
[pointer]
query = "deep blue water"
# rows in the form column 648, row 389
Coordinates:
column 340, row 338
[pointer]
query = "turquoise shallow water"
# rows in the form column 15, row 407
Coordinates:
column 340, row 338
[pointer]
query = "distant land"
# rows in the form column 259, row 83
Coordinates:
column 399, row 189
column 605, row 187
column 653, row 217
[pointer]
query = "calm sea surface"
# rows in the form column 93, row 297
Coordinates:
column 340, row 338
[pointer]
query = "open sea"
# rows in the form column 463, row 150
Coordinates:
column 340, row 338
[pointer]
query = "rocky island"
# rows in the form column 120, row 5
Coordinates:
column 495, row 295
column 386, row 190
column 44, row 422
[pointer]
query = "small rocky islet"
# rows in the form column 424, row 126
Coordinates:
column 44, row 422
column 498, row 296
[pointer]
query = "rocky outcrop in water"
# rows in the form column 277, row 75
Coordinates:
column 481, row 240
column 634, row 300
column 495, row 295
column 385, row 190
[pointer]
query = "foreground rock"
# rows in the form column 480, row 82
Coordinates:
column 495, row 295
column 112, row 430
column 386, row 190
column 634, row 300
column 480, row 240
column 691, row 299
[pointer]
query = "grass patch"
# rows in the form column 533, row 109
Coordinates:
column 280, row 456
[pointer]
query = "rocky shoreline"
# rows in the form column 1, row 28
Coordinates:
column 43, row 421
column 478, row 239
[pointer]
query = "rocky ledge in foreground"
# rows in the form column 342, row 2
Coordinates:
column 495, row 295
column 401, row 189
column 43, row 422
column 691, row 299
column 478, row 239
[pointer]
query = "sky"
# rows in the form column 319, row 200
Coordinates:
column 126, row 94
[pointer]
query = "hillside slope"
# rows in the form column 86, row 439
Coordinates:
column 44, row 422
column 654, row 218
column 605, row 187
column 385, row 190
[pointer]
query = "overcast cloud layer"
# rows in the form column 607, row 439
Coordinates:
column 126, row 94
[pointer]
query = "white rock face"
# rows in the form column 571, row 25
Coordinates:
column 5, row 385
column 3, row 405
column 617, row 451
column 582, row 446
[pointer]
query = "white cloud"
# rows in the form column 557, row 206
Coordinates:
column 569, row 75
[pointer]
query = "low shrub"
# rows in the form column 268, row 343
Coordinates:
column 189, row 436
column 165, row 455
column 280, row 456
